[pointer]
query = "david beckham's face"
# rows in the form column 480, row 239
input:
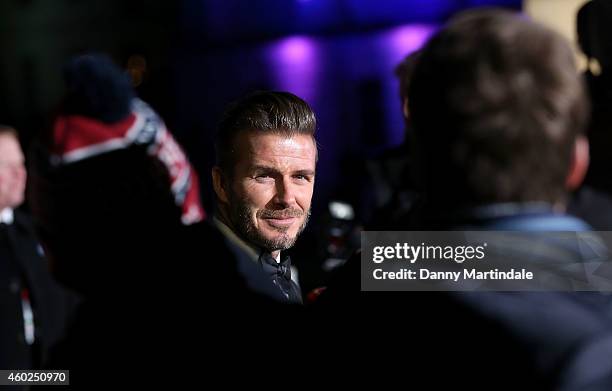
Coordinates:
column 271, row 188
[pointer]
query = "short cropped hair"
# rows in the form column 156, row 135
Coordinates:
column 273, row 112
column 404, row 72
column 593, row 28
column 497, row 104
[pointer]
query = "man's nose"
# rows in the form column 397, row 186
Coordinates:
column 285, row 192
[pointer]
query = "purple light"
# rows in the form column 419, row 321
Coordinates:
column 294, row 65
column 295, row 50
column 406, row 39
column 397, row 44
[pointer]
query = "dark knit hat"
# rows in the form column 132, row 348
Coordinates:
column 96, row 88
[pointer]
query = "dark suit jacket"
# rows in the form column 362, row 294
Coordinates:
column 23, row 268
column 475, row 340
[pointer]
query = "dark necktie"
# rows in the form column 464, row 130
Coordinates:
column 280, row 274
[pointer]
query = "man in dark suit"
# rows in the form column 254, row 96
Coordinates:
column 264, row 180
column 34, row 307
column 498, row 111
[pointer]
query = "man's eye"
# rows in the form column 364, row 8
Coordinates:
column 303, row 178
column 263, row 177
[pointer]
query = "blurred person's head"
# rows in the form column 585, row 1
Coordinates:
column 96, row 88
column 404, row 72
column 12, row 169
column 265, row 170
column 499, row 109
column 594, row 31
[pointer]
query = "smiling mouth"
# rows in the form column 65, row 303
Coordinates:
column 281, row 222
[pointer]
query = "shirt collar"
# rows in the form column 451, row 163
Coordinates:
column 253, row 251
column 7, row 216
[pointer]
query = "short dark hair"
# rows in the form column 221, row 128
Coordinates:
column 585, row 29
column 593, row 28
column 497, row 104
column 263, row 111
column 404, row 72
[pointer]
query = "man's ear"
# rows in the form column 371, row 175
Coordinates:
column 578, row 165
column 405, row 109
column 220, row 184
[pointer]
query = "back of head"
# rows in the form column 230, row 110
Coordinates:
column 274, row 112
column 594, row 31
column 404, row 72
column 497, row 104
column 96, row 88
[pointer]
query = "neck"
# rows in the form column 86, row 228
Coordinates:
column 222, row 215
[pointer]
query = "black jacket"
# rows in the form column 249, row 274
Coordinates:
column 25, row 278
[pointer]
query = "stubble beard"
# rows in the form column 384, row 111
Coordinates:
column 240, row 215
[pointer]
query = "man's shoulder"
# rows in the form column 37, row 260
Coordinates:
column 244, row 259
column 531, row 216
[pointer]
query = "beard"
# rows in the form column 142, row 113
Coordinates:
column 240, row 215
